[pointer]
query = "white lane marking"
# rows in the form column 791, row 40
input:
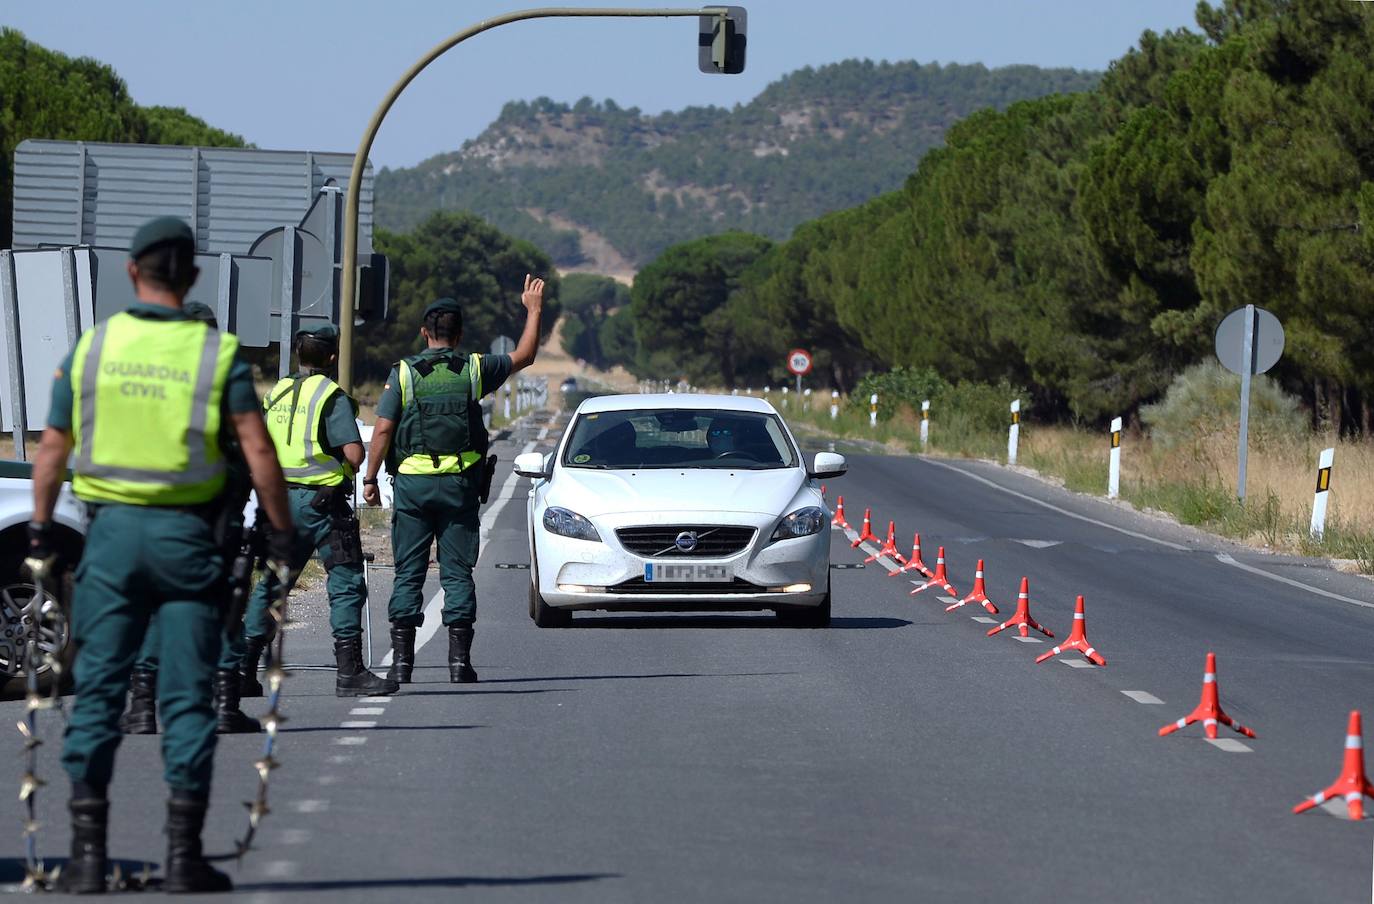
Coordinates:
column 1230, row 745
column 434, row 608
column 946, row 599
column 326, row 779
column 1018, row 637
column 1337, row 807
column 1078, row 663
column 374, row 699
column 1142, row 697
column 1226, row 559
column 358, row 723
column 1054, row 508
column 279, row 869
column 983, row 619
column 293, row 836
column 350, row 741
column 367, row 710
column 1039, row 544
column 339, row 759
column 309, row 806
column 543, row 433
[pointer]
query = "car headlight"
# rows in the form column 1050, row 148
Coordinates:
column 569, row 524
column 801, row 523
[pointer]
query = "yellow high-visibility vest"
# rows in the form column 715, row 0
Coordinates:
column 421, row 462
column 294, row 410
column 146, row 403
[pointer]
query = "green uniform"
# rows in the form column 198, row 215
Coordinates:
column 144, row 395
column 436, row 495
column 311, row 419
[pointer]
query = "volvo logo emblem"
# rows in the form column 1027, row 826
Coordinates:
column 686, row 541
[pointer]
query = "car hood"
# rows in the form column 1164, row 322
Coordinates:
column 593, row 493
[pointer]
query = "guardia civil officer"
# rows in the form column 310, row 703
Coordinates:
column 429, row 431
column 141, row 716
column 140, row 400
column 313, row 423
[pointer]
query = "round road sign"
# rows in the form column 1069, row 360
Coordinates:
column 799, row 362
column 1267, row 341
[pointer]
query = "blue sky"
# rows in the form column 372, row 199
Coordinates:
column 306, row 74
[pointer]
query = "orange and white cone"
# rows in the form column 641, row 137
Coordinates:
column 1078, row 639
column 1022, row 619
column 839, row 514
column 889, row 547
column 914, row 563
column 978, row 595
column 939, row 578
column 1351, row 784
column 867, row 532
column 1209, row 711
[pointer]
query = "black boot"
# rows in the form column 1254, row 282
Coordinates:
column 142, row 715
column 352, row 680
column 186, row 869
column 229, row 719
column 84, row 874
column 250, row 686
column 460, row 670
column 402, row 653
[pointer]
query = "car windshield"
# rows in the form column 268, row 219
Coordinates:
column 679, row 438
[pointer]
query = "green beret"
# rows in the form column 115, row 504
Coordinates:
column 197, row 311
column 160, row 231
column 325, row 332
column 444, row 306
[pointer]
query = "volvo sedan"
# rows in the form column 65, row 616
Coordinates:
column 678, row 503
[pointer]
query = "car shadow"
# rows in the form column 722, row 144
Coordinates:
column 845, row 623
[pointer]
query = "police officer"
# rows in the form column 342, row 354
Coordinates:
column 141, row 716
column 313, row 423
column 140, row 401
column 429, row 430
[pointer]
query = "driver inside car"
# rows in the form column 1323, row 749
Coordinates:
column 721, row 436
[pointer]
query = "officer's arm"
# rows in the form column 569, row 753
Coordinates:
column 381, row 444
column 49, row 465
column 528, row 346
column 261, row 456
column 353, row 454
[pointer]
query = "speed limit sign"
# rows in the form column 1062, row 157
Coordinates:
column 799, row 362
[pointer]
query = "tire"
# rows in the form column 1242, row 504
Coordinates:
column 808, row 616
column 16, row 590
column 544, row 615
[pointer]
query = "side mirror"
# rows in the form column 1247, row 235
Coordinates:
column 827, row 464
column 531, row 465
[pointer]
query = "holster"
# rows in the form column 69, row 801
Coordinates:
column 247, row 557
column 345, row 537
column 488, row 474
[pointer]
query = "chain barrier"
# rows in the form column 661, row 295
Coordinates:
column 36, row 877
column 275, row 675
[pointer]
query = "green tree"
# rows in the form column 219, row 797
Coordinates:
column 588, row 300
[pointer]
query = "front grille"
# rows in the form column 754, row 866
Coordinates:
column 641, row 586
column 713, row 540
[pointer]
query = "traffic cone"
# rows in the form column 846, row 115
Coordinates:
column 938, row 579
column 978, row 595
column 867, row 532
column 889, row 547
column 1209, row 711
column 839, row 514
column 1351, row 783
column 1022, row 619
column 914, row 563
column 1078, row 639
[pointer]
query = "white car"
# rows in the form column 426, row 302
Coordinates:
column 681, row 503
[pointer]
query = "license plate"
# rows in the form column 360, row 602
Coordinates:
column 686, row 573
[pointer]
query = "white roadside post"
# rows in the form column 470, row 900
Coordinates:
column 1014, row 431
column 1114, row 469
column 1324, row 462
column 925, row 424
column 834, row 404
column 784, row 398
column 873, row 411
column 506, row 409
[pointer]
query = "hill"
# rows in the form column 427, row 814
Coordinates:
column 593, row 183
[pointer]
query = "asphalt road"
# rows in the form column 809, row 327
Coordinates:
column 900, row 755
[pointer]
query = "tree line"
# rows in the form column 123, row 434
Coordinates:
column 1082, row 245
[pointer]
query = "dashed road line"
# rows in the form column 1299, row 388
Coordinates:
column 367, row 711
column 358, row 723
column 280, row 869
column 1336, row 807
column 339, row 759
column 1230, row 745
column 1076, row 663
column 327, row 779
column 374, row 699
column 1019, row 639
column 1039, row 544
column 310, row 806
column 983, row 619
column 294, row 836
column 1143, row 697
column 350, row 741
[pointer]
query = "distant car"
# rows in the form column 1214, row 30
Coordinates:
column 568, row 385
column 678, row 502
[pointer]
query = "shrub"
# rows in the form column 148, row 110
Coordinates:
column 1204, row 401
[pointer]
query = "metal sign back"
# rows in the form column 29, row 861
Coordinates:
column 1268, row 341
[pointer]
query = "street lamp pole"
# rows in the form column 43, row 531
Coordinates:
column 348, row 299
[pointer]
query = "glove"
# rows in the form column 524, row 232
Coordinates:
column 42, row 555
column 280, row 546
